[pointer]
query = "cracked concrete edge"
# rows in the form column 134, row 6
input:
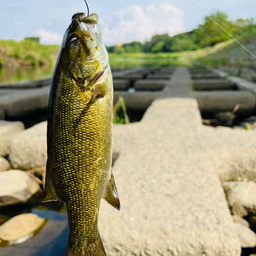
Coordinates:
column 240, row 82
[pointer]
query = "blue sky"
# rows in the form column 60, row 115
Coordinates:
column 121, row 21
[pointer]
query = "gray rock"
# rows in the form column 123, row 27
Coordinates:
column 241, row 197
column 237, row 219
column 28, row 148
column 246, row 236
column 7, row 131
column 4, row 164
column 15, row 187
column 20, row 228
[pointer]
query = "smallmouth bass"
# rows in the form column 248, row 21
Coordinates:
column 79, row 134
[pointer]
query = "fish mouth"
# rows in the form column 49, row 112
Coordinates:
column 81, row 17
column 98, row 76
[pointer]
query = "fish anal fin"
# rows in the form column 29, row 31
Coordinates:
column 111, row 194
column 49, row 193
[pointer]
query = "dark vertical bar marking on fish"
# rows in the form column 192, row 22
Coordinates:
column 79, row 119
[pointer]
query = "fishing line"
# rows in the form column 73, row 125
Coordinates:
column 87, row 8
column 224, row 29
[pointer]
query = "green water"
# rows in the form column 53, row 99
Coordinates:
column 50, row 241
column 17, row 75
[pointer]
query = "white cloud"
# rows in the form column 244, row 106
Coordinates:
column 48, row 37
column 135, row 23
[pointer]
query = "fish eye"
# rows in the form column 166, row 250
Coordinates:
column 74, row 40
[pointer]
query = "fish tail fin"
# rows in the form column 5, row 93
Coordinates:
column 92, row 248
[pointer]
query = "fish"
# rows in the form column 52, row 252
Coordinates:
column 79, row 134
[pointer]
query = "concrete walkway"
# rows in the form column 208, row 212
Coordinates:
column 168, row 173
column 172, row 202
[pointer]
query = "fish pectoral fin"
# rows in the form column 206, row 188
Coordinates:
column 49, row 193
column 111, row 194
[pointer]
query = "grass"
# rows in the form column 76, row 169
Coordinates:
column 163, row 59
column 27, row 53
column 231, row 55
column 32, row 53
column 119, row 112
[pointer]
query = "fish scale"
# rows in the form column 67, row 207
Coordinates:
column 79, row 137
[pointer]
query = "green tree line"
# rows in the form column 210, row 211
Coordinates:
column 205, row 35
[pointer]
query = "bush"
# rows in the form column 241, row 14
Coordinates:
column 180, row 45
column 119, row 50
column 1, row 62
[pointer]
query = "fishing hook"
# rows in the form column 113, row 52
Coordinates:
column 87, row 7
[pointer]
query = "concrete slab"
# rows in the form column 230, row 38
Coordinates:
column 149, row 85
column 218, row 101
column 204, row 76
column 28, row 85
column 121, row 84
column 159, row 76
column 130, row 77
column 214, row 84
column 166, row 185
column 167, row 174
column 199, row 70
column 19, row 103
column 138, row 101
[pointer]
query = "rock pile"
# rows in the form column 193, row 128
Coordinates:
column 20, row 228
column 16, row 187
column 7, row 131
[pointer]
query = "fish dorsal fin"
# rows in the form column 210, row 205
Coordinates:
column 111, row 194
column 49, row 193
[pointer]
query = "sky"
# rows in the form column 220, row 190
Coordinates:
column 120, row 21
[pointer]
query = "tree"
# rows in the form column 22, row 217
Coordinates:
column 157, row 44
column 210, row 33
column 244, row 28
column 206, row 35
column 110, row 49
column 119, row 50
column 183, row 42
column 133, row 47
column 180, row 45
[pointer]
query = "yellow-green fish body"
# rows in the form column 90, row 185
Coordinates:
column 79, row 135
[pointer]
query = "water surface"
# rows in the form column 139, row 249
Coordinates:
column 17, row 75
